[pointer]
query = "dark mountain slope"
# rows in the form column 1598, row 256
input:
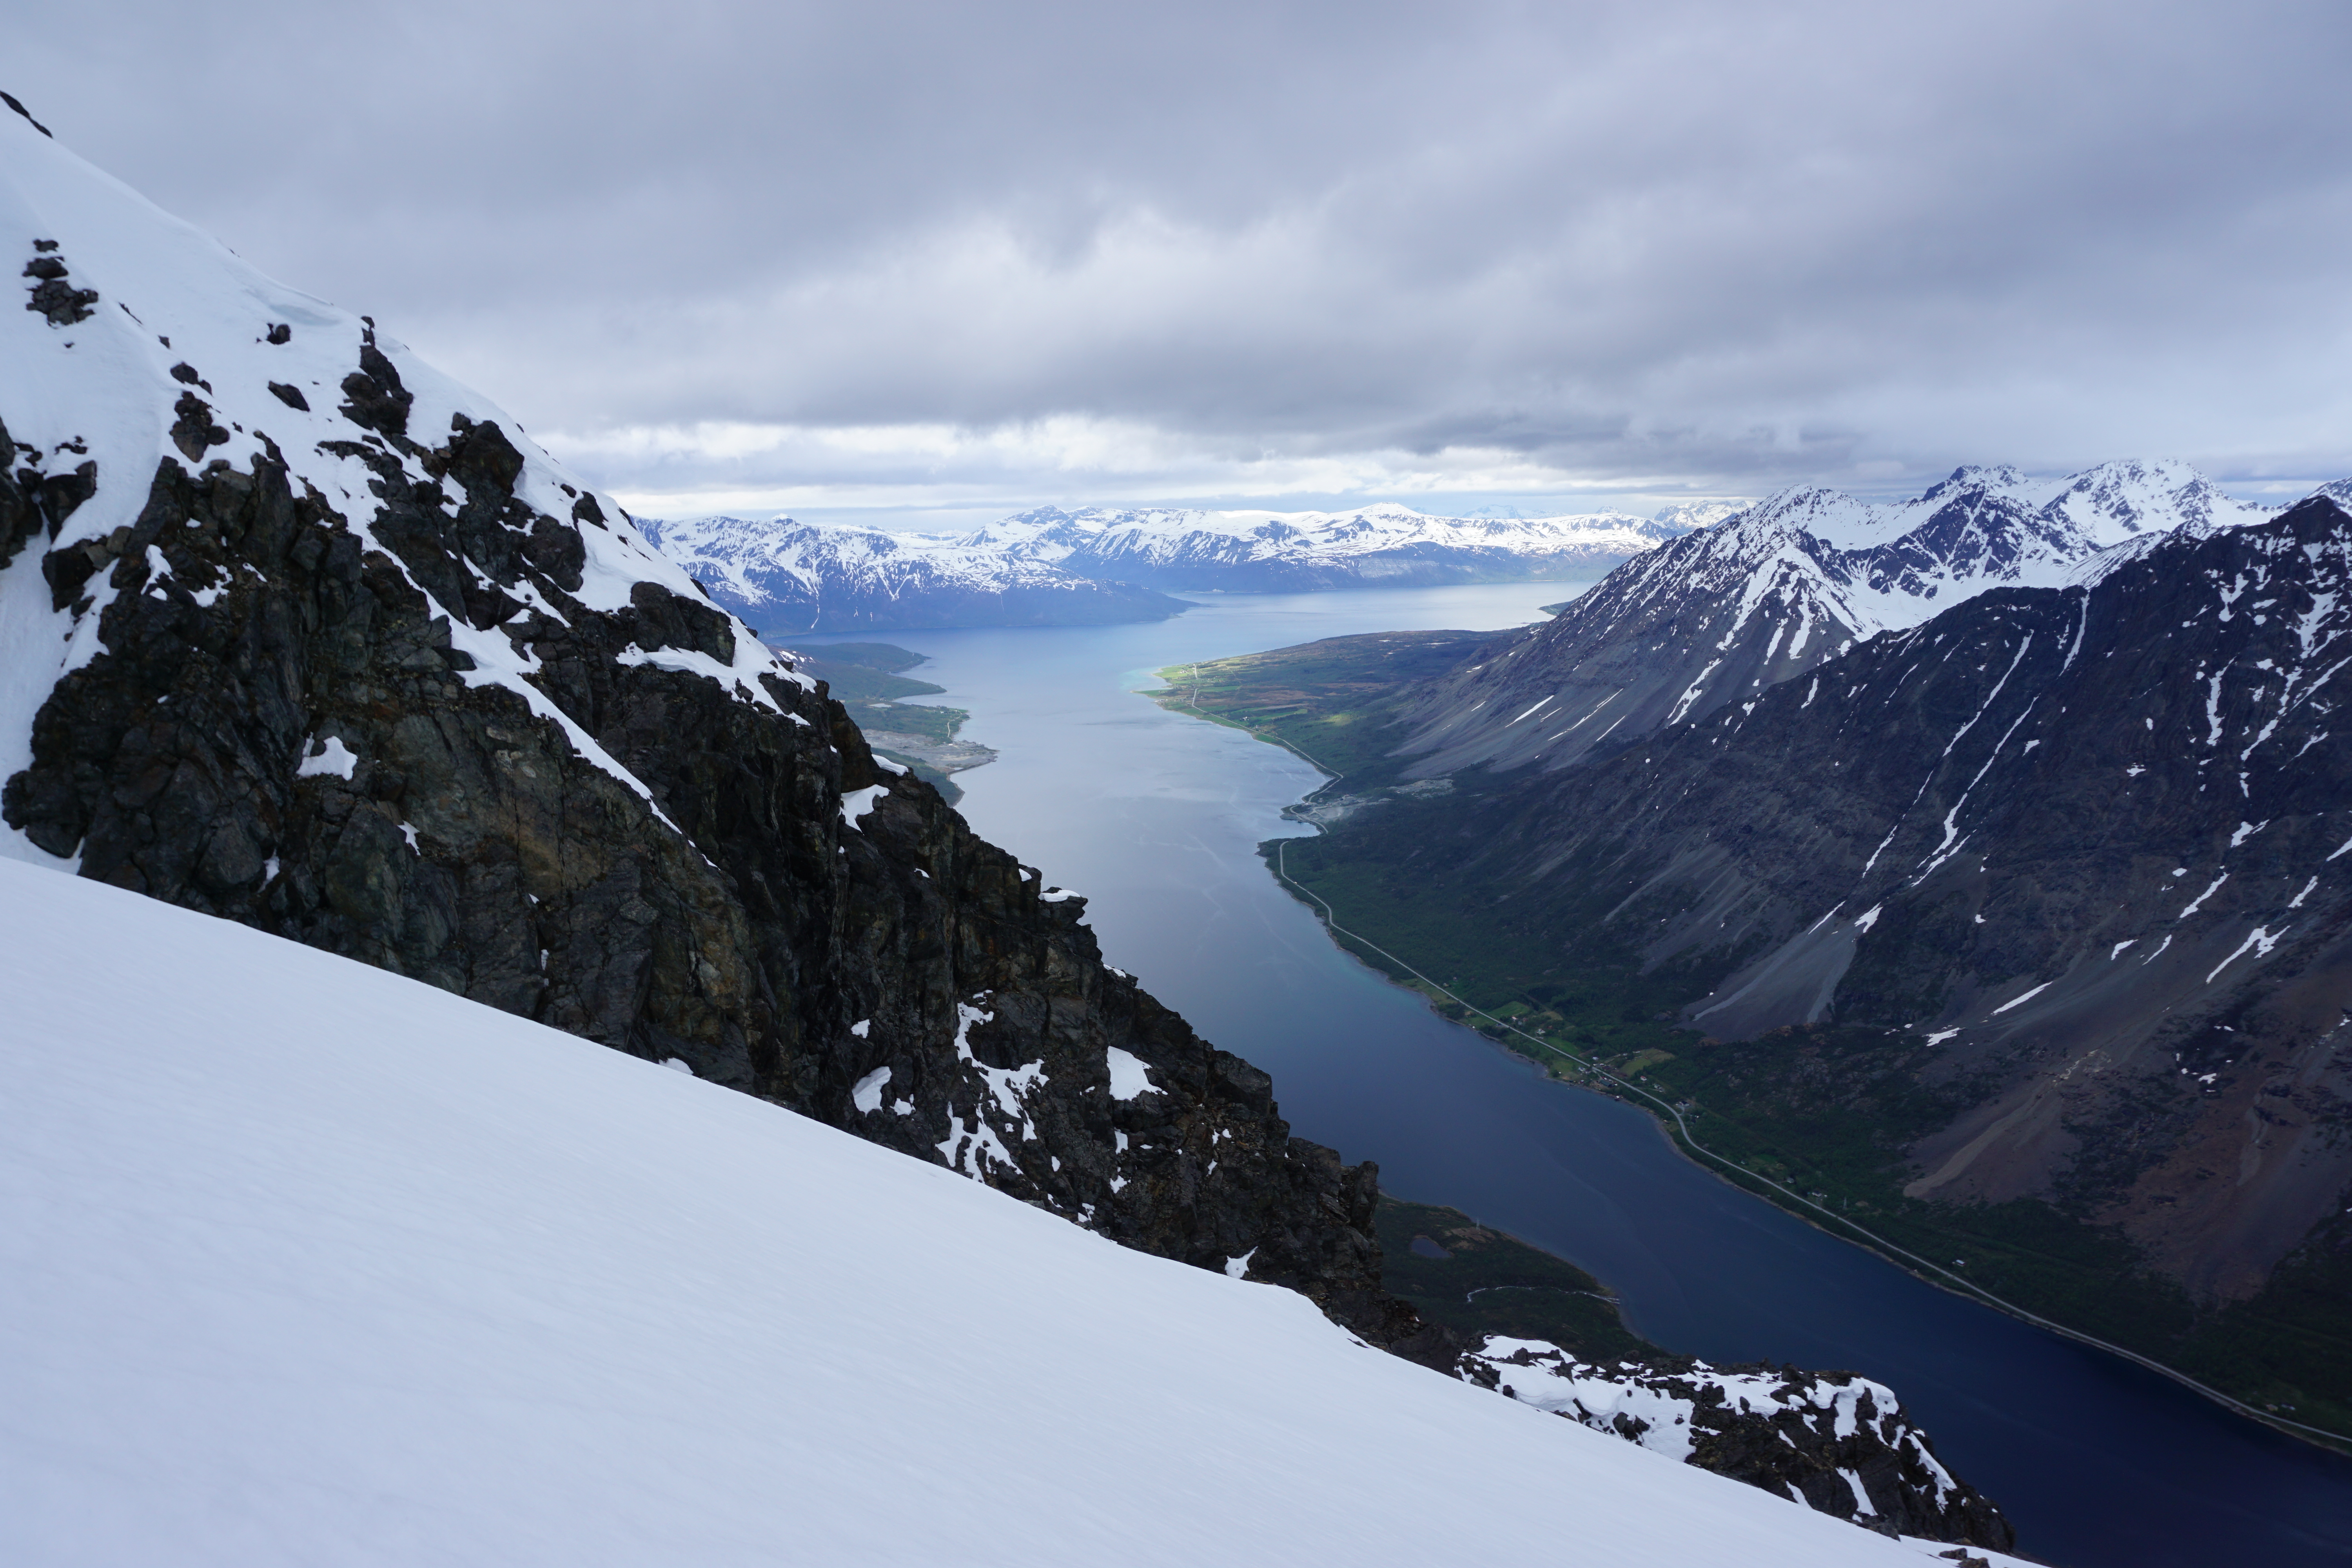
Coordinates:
column 780, row 914
column 2083, row 842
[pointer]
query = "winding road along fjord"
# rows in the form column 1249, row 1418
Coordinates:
column 1156, row 816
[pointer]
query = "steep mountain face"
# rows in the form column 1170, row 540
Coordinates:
column 1716, row 617
column 1268, row 553
column 786, row 577
column 299, row 634
column 2088, row 844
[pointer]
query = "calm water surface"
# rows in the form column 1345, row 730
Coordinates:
column 1156, row 818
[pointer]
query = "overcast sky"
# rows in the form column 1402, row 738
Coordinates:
column 930, row 261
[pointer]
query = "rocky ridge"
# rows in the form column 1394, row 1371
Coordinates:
column 1715, row 617
column 1835, row 1442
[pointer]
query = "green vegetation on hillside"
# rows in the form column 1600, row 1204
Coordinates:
column 863, row 678
column 1491, row 1283
column 1325, row 700
column 1825, row 1112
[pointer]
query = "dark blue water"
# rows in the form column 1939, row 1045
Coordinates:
column 1156, row 816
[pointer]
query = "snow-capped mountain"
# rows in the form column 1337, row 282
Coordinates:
column 2117, row 501
column 1715, row 616
column 1261, row 552
column 2085, row 852
column 1051, row 567
column 786, row 577
column 309, row 1263
column 1688, row 515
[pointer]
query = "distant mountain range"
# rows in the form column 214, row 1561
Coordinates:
column 787, row 577
column 1051, row 567
column 1377, row 546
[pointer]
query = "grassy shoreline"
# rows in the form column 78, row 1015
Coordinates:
column 1836, row 1168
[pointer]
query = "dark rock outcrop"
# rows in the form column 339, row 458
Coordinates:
column 1839, row 1444
column 53, row 294
column 282, row 730
column 32, row 500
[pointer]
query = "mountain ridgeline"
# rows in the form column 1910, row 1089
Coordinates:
column 1715, row 616
column 1299, row 553
column 786, row 577
column 1051, row 567
column 2042, row 901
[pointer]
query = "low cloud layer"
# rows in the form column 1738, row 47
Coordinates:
column 949, row 258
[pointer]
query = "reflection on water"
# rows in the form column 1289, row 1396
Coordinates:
column 1156, row 818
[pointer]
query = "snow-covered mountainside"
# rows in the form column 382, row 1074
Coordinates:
column 786, row 578
column 1050, row 567
column 309, row 1263
column 297, row 632
column 1715, row 616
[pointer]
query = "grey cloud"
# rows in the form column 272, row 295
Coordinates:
column 1709, row 243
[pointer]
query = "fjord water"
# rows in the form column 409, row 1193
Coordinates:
column 1155, row 816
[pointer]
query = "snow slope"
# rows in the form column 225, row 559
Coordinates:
column 312, row 1264
column 174, row 358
